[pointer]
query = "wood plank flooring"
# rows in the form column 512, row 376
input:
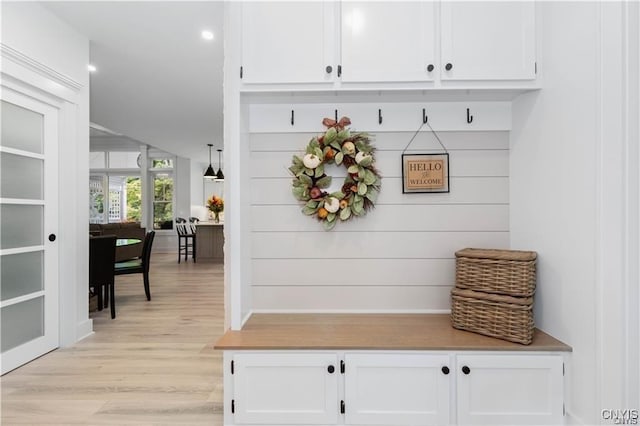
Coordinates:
column 154, row 364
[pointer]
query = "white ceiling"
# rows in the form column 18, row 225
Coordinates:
column 157, row 81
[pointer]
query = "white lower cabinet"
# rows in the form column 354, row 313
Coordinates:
column 393, row 388
column 509, row 390
column 403, row 389
column 285, row 389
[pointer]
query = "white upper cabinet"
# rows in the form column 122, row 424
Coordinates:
column 388, row 41
column 381, row 44
column 288, row 42
column 488, row 41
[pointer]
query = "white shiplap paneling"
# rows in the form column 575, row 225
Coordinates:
column 386, row 218
column 400, row 256
column 464, row 190
column 351, row 299
column 371, row 272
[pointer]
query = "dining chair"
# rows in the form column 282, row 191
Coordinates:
column 102, row 257
column 139, row 265
column 186, row 241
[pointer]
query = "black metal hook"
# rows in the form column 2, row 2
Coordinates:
column 424, row 116
column 469, row 117
column 292, row 118
column 336, row 112
column 379, row 116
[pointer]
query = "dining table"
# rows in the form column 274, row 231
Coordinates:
column 121, row 242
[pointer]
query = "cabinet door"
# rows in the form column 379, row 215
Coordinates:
column 488, row 40
column 287, row 42
column 279, row 388
column 387, row 41
column 396, row 389
column 509, row 390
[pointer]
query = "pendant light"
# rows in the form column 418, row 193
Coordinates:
column 210, row 174
column 219, row 175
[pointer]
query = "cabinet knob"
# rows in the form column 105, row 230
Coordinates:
column 429, row 67
column 331, row 369
column 466, row 370
column 329, row 69
column 52, row 237
column 448, row 66
column 445, row 370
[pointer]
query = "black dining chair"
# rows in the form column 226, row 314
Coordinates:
column 102, row 257
column 139, row 265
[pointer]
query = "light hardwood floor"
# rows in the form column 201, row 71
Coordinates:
column 154, row 364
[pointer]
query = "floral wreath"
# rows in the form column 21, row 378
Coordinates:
column 361, row 186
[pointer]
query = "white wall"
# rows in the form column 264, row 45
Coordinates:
column 568, row 203
column 400, row 256
column 55, row 59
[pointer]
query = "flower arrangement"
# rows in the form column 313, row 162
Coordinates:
column 215, row 205
column 360, row 188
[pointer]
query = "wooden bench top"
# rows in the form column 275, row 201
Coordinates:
column 369, row 332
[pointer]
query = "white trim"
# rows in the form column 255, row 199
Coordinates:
column 84, row 329
column 572, row 419
column 347, row 311
column 20, row 250
column 599, row 289
column 246, row 318
column 397, row 117
column 21, row 153
column 22, row 201
column 21, row 299
column 38, row 67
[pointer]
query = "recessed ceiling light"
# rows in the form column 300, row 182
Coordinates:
column 92, row 68
column 207, row 35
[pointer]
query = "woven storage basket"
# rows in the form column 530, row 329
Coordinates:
column 508, row 272
column 505, row 317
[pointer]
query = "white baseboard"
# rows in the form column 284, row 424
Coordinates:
column 245, row 319
column 351, row 311
column 84, row 329
column 572, row 419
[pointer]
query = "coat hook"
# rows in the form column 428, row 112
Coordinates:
column 336, row 112
column 292, row 118
column 379, row 116
column 469, row 117
column 424, row 116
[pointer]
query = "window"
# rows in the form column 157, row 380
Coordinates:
column 162, row 201
column 121, row 203
column 96, row 199
column 115, row 188
column 124, row 199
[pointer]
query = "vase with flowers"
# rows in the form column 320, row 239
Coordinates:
column 215, row 205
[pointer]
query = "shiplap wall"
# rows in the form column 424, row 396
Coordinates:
column 400, row 256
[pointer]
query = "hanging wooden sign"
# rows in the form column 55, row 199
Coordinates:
column 425, row 173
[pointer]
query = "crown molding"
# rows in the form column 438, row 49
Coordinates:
column 38, row 67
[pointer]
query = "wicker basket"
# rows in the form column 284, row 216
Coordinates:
column 504, row 317
column 508, row 272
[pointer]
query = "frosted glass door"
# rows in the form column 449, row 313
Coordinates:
column 28, row 227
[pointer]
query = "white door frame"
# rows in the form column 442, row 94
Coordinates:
column 32, row 349
column 71, row 97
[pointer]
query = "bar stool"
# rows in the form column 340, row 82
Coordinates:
column 186, row 240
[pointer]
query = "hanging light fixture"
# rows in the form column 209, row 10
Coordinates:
column 210, row 174
column 219, row 175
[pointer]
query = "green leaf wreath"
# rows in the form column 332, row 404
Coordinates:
column 360, row 188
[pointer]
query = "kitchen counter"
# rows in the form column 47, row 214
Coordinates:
column 209, row 242
column 369, row 332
